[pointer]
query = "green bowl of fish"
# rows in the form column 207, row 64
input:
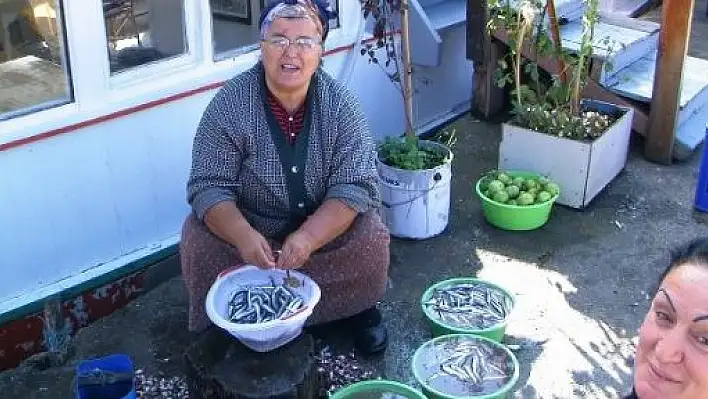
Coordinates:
column 377, row 389
column 465, row 366
column 468, row 305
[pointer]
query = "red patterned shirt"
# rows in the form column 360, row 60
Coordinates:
column 291, row 125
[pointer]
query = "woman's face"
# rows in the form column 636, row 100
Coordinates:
column 672, row 355
column 290, row 67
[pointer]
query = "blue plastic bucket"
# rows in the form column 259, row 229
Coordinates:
column 702, row 185
column 110, row 377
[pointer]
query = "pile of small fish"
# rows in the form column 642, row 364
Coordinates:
column 260, row 304
column 470, row 305
column 339, row 370
column 149, row 386
column 469, row 363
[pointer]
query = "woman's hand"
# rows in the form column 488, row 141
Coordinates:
column 254, row 249
column 296, row 250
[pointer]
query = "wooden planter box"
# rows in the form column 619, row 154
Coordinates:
column 582, row 169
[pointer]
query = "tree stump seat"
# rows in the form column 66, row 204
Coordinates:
column 219, row 366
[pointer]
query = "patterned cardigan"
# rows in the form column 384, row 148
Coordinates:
column 240, row 154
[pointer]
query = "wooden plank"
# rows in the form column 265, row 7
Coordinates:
column 690, row 134
column 446, row 14
column 637, row 80
column 676, row 16
column 619, row 38
column 618, row 47
column 629, row 23
column 425, row 42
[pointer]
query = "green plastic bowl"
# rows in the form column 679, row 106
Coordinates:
column 377, row 385
column 495, row 332
column 515, row 217
column 431, row 393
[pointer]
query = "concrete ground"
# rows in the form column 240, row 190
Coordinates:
column 582, row 283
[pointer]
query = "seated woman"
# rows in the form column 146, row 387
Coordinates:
column 671, row 360
column 283, row 160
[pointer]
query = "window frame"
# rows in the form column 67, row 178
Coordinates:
column 97, row 95
column 65, row 67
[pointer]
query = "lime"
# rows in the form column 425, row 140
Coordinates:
column 504, row 178
column 513, row 191
column 483, row 185
column 529, row 184
column 525, row 199
column 501, row 196
column 512, row 202
column 518, row 181
column 543, row 181
column 495, row 185
column 553, row 188
column 543, row 196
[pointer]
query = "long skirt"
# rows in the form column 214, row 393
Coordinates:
column 351, row 270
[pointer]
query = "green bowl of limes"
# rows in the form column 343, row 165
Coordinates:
column 516, row 199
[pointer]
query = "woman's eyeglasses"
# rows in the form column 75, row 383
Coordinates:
column 302, row 43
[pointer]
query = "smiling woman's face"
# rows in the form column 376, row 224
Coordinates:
column 672, row 355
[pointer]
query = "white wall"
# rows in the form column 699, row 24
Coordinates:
column 87, row 202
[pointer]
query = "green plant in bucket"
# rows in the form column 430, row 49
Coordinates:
column 377, row 389
column 440, row 327
column 461, row 366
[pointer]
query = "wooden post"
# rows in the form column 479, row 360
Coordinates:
column 675, row 32
column 485, row 52
column 476, row 30
column 407, row 68
column 489, row 98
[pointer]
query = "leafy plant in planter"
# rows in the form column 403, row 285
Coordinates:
column 408, row 152
column 414, row 174
column 581, row 144
column 552, row 105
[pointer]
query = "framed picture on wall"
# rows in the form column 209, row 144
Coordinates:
column 234, row 10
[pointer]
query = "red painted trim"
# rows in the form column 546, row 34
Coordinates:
column 137, row 108
column 105, row 118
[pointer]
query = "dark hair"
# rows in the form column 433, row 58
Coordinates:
column 694, row 251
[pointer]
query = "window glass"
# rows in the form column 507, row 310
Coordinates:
column 33, row 64
column 235, row 24
column 140, row 32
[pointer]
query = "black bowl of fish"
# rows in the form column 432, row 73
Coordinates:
column 468, row 305
column 459, row 366
column 377, row 389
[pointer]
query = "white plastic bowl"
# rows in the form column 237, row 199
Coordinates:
column 260, row 337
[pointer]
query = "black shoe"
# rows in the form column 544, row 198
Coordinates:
column 370, row 334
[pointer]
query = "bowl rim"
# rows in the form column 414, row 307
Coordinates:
column 344, row 391
column 460, row 330
column 220, row 321
column 503, row 389
column 507, row 206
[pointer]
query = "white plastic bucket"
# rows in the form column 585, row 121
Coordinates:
column 416, row 203
column 260, row 337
